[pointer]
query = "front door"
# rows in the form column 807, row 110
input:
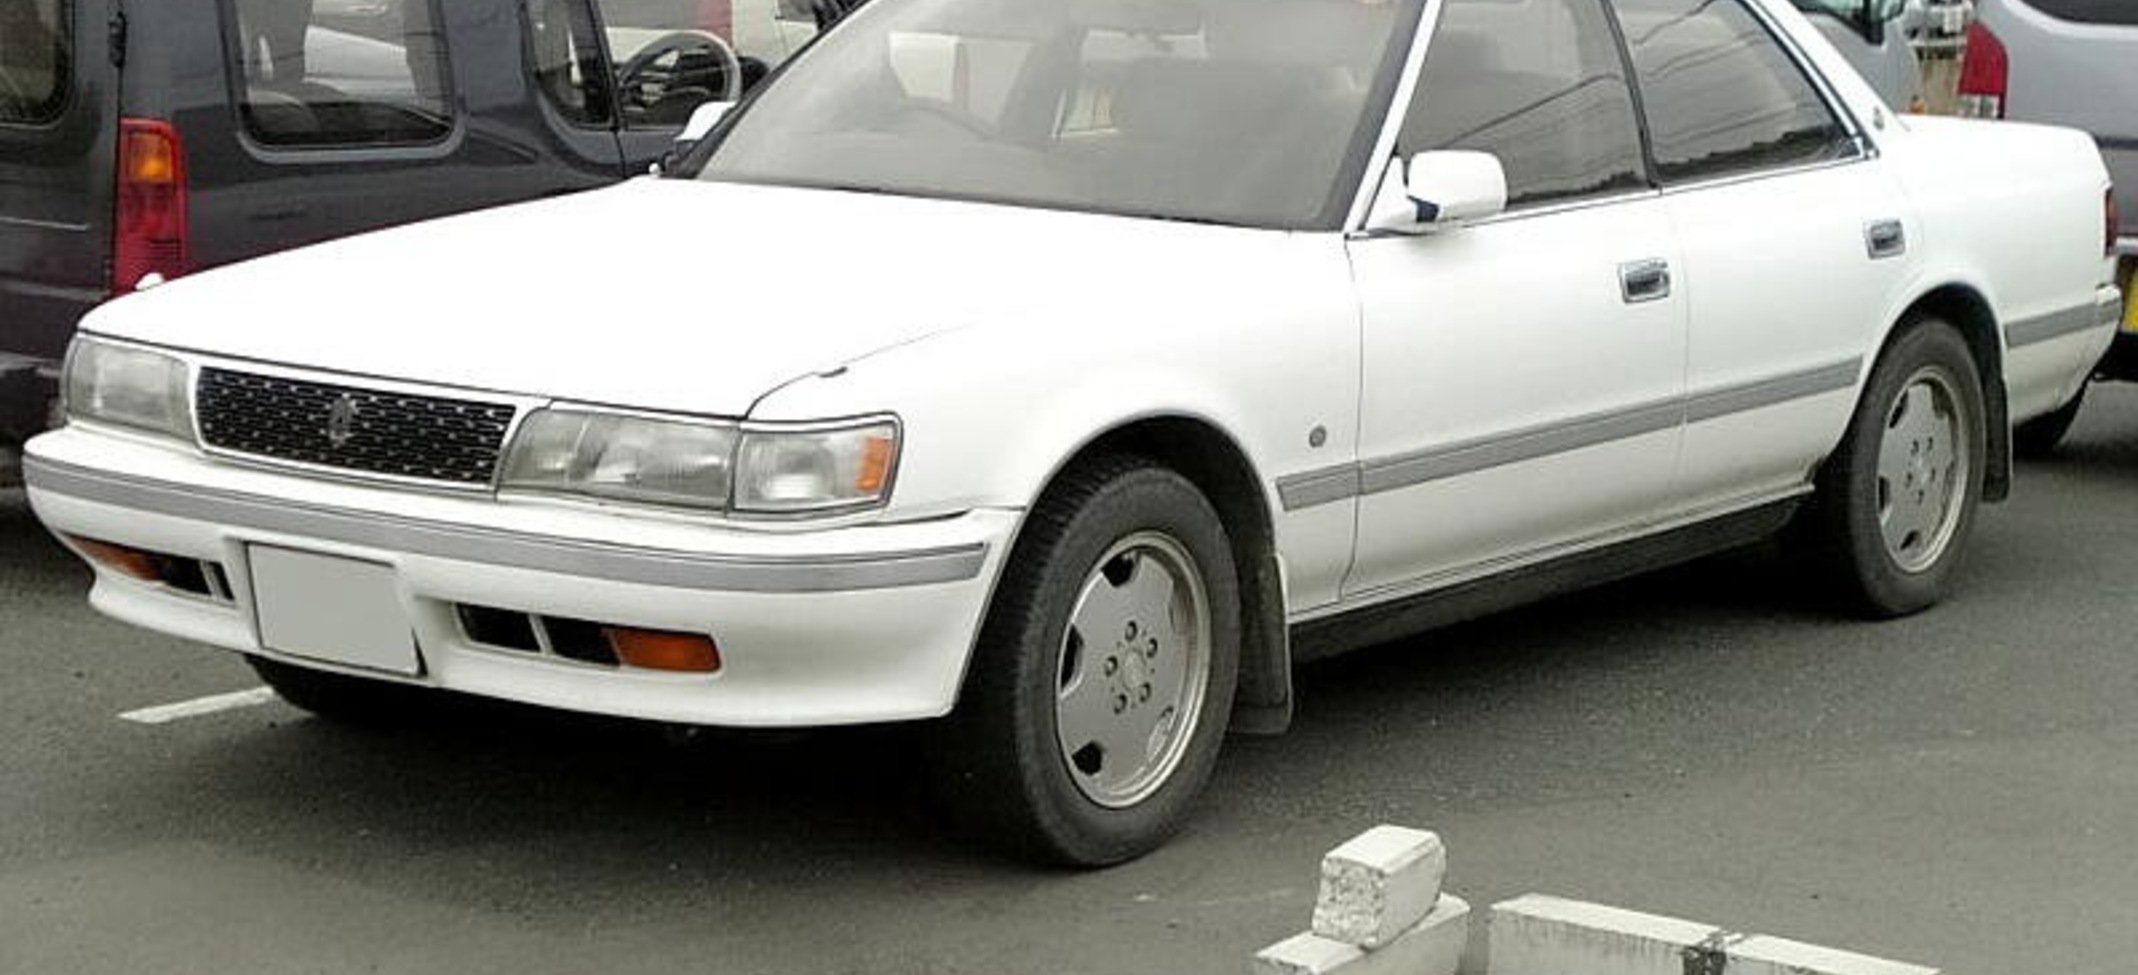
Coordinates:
column 1524, row 375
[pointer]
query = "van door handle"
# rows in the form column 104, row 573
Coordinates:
column 1643, row 281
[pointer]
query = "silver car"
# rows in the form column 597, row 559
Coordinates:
column 2067, row 62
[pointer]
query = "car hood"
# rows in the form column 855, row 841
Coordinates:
column 673, row 295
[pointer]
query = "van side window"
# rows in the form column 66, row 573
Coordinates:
column 1540, row 84
column 337, row 74
column 566, row 63
column 1721, row 94
column 33, row 60
column 670, row 56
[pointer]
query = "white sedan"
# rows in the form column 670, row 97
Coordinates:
column 1067, row 371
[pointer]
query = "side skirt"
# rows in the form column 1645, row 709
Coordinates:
column 1371, row 625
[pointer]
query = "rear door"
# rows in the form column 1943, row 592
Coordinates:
column 58, row 103
column 1796, row 241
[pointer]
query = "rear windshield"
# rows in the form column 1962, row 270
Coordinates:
column 2124, row 12
column 33, row 60
column 321, row 73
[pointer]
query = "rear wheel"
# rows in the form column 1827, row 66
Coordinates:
column 1897, row 500
column 1104, row 677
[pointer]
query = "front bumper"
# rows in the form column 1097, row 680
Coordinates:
column 844, row 625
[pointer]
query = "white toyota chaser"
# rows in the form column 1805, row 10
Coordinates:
column 1068, row 370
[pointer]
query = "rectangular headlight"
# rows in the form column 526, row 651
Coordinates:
column 808, row 471
column 131, row 387
column 622, row 457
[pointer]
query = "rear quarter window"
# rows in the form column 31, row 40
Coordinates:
column 2115, row 12
column 34, row 58
column 341, row 73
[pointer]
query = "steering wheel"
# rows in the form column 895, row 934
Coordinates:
column 640, row 70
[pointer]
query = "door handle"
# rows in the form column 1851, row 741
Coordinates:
column 1885, row 238
column 1643, row 281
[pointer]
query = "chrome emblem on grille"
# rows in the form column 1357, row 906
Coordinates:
column 341, row 420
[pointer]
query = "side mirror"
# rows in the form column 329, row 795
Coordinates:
column 1438, row 190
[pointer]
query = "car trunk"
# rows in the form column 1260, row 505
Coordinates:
column 58, row 132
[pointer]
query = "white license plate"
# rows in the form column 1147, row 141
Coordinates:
column 342, row 611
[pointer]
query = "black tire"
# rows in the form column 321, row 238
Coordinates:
column 358, row 701
column 1001, row 766
column 1846, row 529
column 2039, row 437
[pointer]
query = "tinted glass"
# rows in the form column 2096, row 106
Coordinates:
column 1538, row 83
column 566, row 68
column 1231, row 111
column 33, row 60
column 2124, row 12
column 1721, row 94
column 670, row 56
column 342, row 72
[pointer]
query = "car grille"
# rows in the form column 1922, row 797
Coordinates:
column 428, row 437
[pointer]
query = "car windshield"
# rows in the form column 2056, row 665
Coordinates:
column 1247, row 112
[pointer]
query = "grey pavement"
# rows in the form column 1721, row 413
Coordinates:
column 1957, row 789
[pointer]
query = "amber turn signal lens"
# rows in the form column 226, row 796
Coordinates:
column 130, row 561
column 875, row 465
column 661, row 650
column 151, row 157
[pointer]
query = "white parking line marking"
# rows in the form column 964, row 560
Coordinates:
column 165, row 713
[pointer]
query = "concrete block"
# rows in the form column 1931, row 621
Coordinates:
column 1767, row 955
column 1431, row 947
column 1540, row 935
column 1379, row 884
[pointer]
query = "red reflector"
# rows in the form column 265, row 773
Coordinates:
column 662, row 650
column 150, row 236
column 1985, row 74
column 2115, row 221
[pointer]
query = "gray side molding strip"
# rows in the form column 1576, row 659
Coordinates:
column 598, row 560
column 2056, row 324
column 1332, row 484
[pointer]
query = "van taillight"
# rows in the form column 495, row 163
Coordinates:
column 151, row 236
column 1985, row 74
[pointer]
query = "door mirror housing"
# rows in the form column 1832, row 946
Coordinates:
column 702, row 121
column 1438, row 190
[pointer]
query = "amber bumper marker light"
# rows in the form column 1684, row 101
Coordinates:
column 128, row 561
column 662, row 650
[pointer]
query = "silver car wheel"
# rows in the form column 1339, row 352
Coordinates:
column 1922, row 470
column 1134, row 667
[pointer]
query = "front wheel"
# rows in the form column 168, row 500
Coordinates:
column 1104, row 677
column 1897, row 500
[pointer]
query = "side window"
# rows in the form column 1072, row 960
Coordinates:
column 1721, row 95
column 567, row 68
column 670, row 56
column 1538, row 83
column 33, row 60
column 340, row 73
column 2119, row 12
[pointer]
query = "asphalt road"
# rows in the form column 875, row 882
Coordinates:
column 1957, row 789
